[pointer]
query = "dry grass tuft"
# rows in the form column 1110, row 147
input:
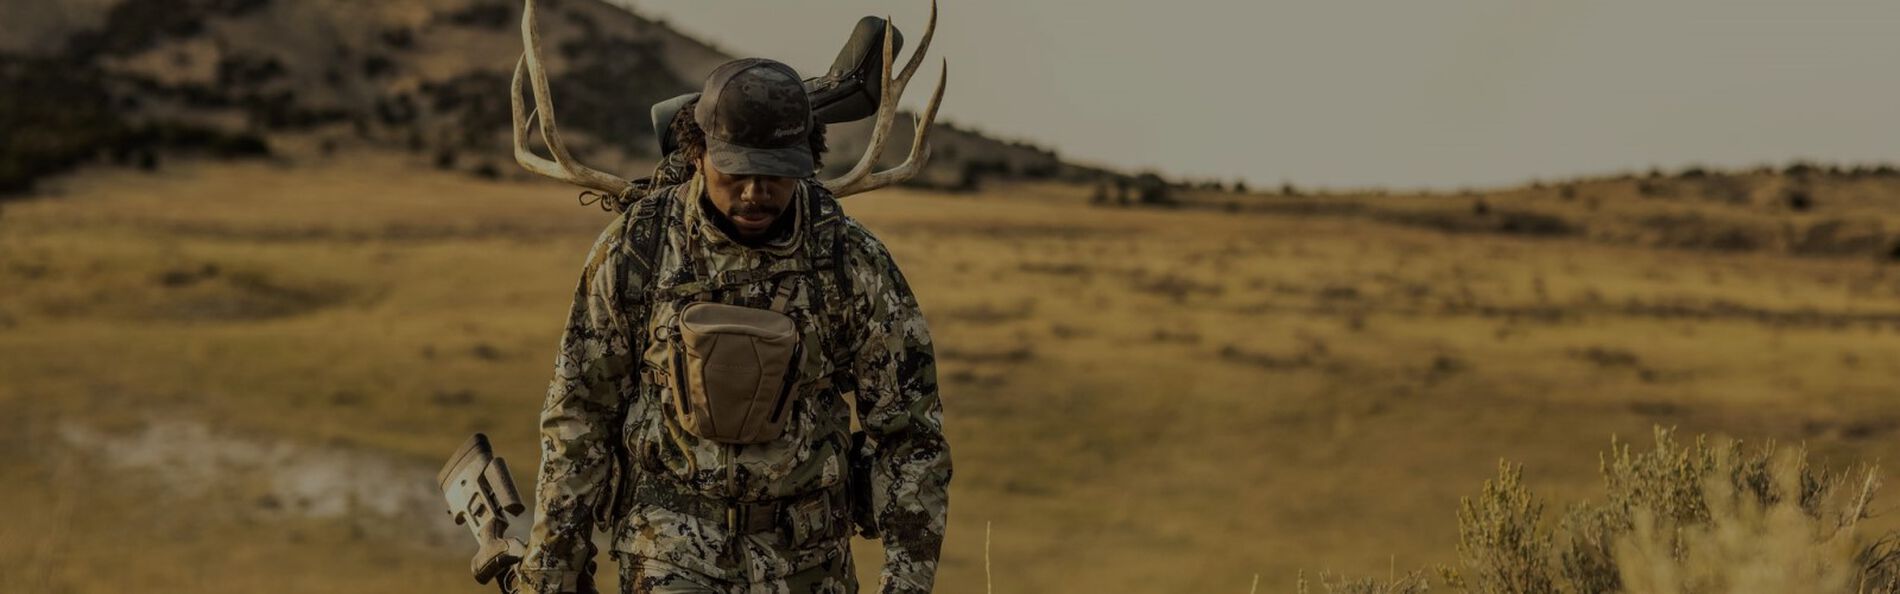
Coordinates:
column 1410, row 583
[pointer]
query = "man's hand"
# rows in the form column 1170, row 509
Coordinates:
column 510, row 582
column 507, row 581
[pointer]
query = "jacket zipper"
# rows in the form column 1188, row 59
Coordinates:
column 732, row 499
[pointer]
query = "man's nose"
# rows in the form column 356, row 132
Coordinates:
column 753, row 191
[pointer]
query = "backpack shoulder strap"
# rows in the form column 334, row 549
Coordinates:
column 828, row 231
column 645, row 229
column 644, row 240
column 829, row 244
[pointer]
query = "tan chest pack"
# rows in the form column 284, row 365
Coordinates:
column 734, row 369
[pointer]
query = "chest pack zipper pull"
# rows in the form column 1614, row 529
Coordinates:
column 791, row 381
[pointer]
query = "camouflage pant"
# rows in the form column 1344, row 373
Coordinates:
column 650, row 576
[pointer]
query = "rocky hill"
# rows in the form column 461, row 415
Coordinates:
column 136, row 81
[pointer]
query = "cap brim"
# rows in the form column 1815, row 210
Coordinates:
column 733, row 159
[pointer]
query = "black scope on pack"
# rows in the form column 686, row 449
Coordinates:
column 848, row 92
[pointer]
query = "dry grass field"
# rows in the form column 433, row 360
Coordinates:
column 240, row 377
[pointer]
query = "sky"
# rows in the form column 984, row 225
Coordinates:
column 1390, row 93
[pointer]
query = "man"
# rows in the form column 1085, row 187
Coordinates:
column 654, row 432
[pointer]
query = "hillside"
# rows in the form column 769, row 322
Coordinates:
column 1800, row 209
column 135, row 82
column 239, row 376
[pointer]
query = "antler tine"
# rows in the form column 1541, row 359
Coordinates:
column 917, row 55
column 919, row 146
column 563, row 167
column 860, row 179
column 524, row 156
column 886, row 113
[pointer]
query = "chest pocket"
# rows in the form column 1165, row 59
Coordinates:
column 735, row 368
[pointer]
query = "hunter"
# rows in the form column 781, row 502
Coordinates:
column 724, row 332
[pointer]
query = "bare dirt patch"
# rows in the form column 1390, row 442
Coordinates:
column 273, row 479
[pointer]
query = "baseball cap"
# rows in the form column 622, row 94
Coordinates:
column 757, row 119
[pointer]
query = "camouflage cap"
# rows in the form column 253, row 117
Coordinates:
column 757, row 119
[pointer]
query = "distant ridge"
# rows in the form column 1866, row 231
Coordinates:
column 135, row 81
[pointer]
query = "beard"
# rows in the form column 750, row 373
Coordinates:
column 781, row 221
column 753, row 210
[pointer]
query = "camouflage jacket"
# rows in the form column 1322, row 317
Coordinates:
column 603, row 426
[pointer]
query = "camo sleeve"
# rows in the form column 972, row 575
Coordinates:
column 899, row 408
column 579, row 422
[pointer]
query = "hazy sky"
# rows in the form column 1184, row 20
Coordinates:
column 1439, row 93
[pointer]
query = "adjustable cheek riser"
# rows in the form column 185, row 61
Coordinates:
column 481, row 495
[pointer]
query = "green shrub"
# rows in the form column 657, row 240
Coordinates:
column 1682, row 518
column 1503, row 546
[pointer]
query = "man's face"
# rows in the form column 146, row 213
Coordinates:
column 750, row 202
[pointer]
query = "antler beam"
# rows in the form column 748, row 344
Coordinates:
column 860, row 179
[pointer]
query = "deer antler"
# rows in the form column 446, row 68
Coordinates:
column 563, row 167
column 860, row 179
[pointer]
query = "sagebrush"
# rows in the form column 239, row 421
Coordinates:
column 1686, row 517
